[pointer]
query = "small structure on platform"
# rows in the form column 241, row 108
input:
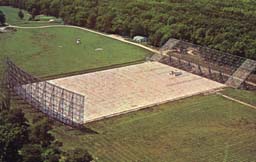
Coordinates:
column 140, row 39
column 176, row 73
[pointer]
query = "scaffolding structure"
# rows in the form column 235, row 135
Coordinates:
column 210, row 63
column 56, row 102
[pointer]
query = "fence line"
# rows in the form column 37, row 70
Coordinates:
column 61, row 104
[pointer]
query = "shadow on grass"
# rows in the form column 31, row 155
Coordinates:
column 82, row 130
column 86, row 130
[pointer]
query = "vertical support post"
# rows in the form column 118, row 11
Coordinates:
column 189, row 63
column 61, row 108
column 37, row 93
column 221, row 77
column 82, row 109
column 71, row 109
column 43, row 99
column 243, row 85
column 29, row 89
column 51, row 104
column 210, row 72
column 200, row 70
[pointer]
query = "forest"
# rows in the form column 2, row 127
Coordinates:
column 24, row 139
column 227, row 25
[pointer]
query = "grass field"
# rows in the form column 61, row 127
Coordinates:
column 245, row 96
column 201, row 128
column 54, row 50
column 12, row 15
column 13, row 19
column 44, row 18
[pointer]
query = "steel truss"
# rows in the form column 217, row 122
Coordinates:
column 211, row 55
column 196, row 69
column 58, row 103
column 205, row 61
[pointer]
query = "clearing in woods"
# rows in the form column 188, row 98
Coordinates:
column 200, row 128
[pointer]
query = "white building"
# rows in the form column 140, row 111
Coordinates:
column 140, row 39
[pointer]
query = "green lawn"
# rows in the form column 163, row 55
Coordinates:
column 12, row 17
column 54, row 50
column 44, row 17
column 197, row 129
column 242, row 95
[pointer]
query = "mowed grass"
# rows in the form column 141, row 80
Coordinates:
column 242, row 95
column 54, row 50
column 197, row 129
column 12, row 17
column 44, row 17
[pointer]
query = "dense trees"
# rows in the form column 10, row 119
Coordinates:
column 13, row 134
column 78, row 155
column 2, row 18
column 21, row 14
column 21, row 141
column 5, row 101
column 228, row 25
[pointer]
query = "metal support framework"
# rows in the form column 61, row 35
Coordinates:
column 210, row 63
column 196, row 69
column 211, row 56
column 58, row 103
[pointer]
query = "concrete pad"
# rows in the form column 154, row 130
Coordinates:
column 117, row 91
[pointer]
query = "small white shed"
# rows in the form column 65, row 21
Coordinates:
column 51, row 21
column 140, row 39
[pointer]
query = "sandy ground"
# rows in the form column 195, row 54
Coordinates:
column 117, row 91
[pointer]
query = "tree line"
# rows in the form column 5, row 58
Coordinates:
column 227, row 25
column 2, row 18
